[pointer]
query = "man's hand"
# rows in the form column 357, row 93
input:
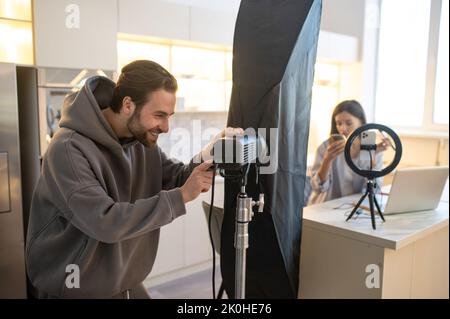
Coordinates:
column 198, row 182
column 229, row 131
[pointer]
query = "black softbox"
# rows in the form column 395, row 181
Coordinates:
column 274, row 54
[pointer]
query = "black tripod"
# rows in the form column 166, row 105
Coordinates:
column 372, row 199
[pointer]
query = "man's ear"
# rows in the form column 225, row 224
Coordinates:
column 128, row 106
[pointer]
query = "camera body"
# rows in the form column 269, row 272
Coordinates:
column 368, row 140
column 234, row 152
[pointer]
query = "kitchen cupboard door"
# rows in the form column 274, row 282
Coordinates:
column 154, row 18
column 170, row 256
column 197, row 244
column 75, row 34
column 185, row 242
column 212, row 26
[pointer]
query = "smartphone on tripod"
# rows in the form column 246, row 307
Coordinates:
column 368, row 140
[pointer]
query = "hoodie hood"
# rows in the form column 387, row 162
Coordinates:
column 82, row 113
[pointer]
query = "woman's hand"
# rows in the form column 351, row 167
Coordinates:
column 333, row 151
column 383, row 145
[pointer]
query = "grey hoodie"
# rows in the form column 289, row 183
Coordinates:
column 99, row 204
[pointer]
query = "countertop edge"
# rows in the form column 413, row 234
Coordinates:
column 373, row 240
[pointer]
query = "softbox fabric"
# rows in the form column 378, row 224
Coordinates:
column 274, row 54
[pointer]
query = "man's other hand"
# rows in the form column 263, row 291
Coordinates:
column 198, row 182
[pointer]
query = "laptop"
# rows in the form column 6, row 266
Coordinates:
column 413, row 189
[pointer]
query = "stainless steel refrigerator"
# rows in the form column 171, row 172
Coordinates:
column 30, row 104
column 19, row 170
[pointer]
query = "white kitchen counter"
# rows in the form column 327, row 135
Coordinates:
column 405, row 257
column 398, row 231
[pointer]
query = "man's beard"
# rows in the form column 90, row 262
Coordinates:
column 139, row 132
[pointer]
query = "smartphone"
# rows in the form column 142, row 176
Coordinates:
column 335, row 137
column 368, row 138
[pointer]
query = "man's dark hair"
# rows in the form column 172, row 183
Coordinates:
column 350, row 106
column 138, row 79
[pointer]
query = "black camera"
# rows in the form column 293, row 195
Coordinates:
column 232, row 153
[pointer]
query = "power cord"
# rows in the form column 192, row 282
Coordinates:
column 210, row 233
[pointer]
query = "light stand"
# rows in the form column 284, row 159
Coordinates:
column 237, row 153
column 244, row 214
column 370, row 174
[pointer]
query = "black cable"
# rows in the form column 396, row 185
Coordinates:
column 370, row 156
column 210, row 234
column 248, row 168
column 258, row 179
column 245, row 175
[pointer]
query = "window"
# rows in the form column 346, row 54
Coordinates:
column 198, row 63
column 16, row 9
column 16, row 45
column 402, row 62
column 325, row 96
column 327, row 91
column 128, row 51
column 201, row 77
column 412, row 73
column 441, row 100
column 203, row 73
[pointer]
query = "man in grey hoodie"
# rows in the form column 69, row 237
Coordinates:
column 106, row 188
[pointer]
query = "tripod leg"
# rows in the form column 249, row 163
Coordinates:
column 378, row 208
column 356, row 206
column 221, row 290
column 372, row 214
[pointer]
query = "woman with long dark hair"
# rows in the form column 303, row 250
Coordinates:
column 330, row 175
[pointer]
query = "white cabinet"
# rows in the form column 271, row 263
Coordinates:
column 154, row 18
column 178, row 20
column 75, row 34
column 212, row 26
column 170, row 254
column 185, row 241
column 196, row 242
column 337, row 47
